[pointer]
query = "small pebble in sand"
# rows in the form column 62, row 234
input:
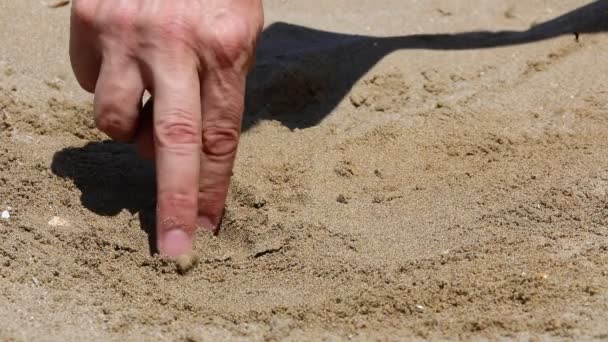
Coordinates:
column 186, row 262
column 57, row 221
column 5, row 215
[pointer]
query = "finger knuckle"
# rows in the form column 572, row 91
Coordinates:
column 212, row 198
column 232, row 41
column 177, row 128
column 113, row 123
column 122, row 20
column 220, row 141
column 212, row 195
column 176, row 200
column 174, row 28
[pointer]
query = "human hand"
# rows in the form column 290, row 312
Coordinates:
column 193, row 57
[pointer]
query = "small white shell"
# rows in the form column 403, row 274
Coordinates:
column 57, row 221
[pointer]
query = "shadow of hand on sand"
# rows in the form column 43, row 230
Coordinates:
column 112, row 177
column 300, row 76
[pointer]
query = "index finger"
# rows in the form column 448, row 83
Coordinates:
column 177, row 139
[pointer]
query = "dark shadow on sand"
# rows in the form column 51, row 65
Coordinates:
column 111, row 177
column 300, row 76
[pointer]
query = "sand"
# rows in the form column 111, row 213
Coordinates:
column 436, row 184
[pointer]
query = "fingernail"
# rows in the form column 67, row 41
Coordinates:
column 175, row 243
column 205, row 223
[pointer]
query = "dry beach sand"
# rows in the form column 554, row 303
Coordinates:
column 399, row 177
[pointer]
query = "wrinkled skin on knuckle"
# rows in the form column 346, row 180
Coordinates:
column 176, row 130
column 232, row 41
column 173, row 29
column 220, row 142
